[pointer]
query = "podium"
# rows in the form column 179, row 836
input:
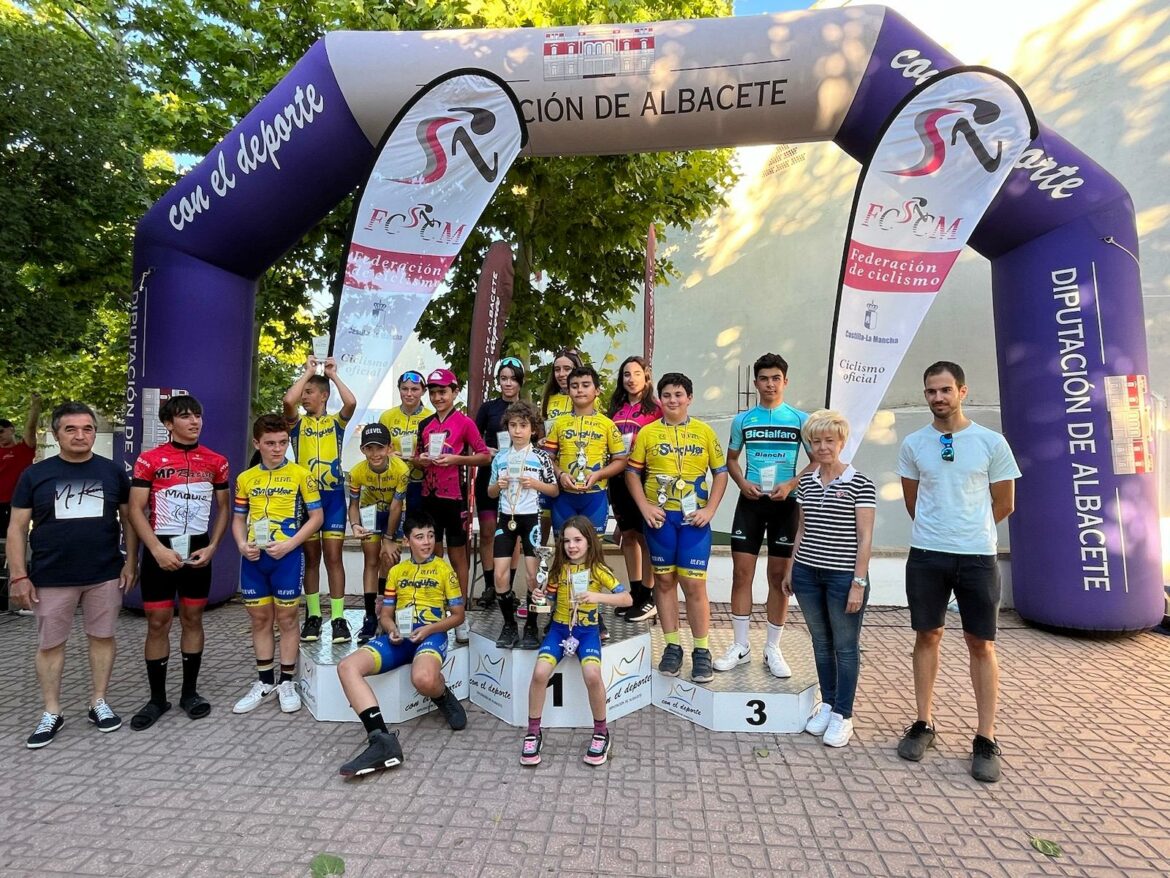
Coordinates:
column 321, row 691
column 500, row 678
column 747, row 698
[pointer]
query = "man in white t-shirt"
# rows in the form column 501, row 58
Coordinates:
column 958, row 480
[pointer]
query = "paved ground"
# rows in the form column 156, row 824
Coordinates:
column 1084, row 728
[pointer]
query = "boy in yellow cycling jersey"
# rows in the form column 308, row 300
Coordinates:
column 269, row 534
column 317, row 438
column 377, row 486
column 421, row 604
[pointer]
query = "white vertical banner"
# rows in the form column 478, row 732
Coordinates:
column 440, row 162
column 943, row 156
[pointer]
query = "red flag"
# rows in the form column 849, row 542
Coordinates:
column 493, row 298
column 648, row 326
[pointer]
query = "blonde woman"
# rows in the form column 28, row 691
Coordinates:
column 830, row 570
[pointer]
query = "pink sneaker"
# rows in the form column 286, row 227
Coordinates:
column 530, row 752
column 598, row 751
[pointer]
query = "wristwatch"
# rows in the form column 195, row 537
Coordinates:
column 863, row 581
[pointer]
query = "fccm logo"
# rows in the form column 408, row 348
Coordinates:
column 681, row 700
column 419, row 217
column 489, row 670
column 934, row 145
column 913, row 214
column 430, row 139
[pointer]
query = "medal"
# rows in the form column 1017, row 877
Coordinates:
column 569, row 644
column 511, row 524
column 681, row 484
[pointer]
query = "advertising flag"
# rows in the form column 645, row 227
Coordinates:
column 648, row 311
column 943, row 156
column 493, row 300
column 440, row 162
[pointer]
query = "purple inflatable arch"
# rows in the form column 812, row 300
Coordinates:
column 1067, row 297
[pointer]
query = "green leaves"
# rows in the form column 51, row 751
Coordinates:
column 326, row 866
column 1046, row 847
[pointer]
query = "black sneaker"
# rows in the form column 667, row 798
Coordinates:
column 530, row 640
column 530, row 750
column 103, row 716
column 46, row 730
column 671, row 662
column 916, row 740
column 487, row 600
column 620, row 612
column 701, row 668
column 450, row 707
column 311, row 630
column 984, row 759
column 643, row 610
column 341, row 633
column 598, row 751
column 369, row 629
column 509, row 635
column 383, row 752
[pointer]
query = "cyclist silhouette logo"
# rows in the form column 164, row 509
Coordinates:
column 431, row 134
column 934, row 142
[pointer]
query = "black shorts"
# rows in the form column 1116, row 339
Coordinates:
column 527, row 532
column 625, row 510
column 778, row 518
column 190, row 584
column 450, row 520
column 5, row 516
column 483, row 503
column 932, row 576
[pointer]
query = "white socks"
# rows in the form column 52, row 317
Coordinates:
column 774, row 632
column 739, row 624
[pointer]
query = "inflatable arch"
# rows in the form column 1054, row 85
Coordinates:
column 1061, row 237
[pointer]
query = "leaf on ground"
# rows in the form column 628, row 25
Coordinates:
column 327, row 866
column 1046, row 847
column 762, row 752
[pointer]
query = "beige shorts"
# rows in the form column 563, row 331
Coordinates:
column 56, row 605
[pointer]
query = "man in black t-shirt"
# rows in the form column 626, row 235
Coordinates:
column 78, row 504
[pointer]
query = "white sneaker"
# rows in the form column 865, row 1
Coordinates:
column 735, row 656
column 839, row 732
column 463, row 633
column 290, row 699
column 819, row 721
column 776, row 664
column 256, row 694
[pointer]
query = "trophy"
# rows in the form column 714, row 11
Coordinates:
column 406, row 441
column 260, row 534
column 663, row 484
column 767, row 479
column 503, row 439
column 515, row 474
column 320, row 351
column 543, row 553
column 582, row 465
column 435, row 444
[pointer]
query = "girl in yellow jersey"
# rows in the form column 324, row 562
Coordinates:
column 578, row 583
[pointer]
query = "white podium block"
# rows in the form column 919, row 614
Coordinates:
column 748, row 698
column 500, row 678
column 321, row 692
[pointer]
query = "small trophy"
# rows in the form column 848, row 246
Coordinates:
column 627, row 441
column 768, row 479
column 404, row 620
column 320, row 351
column 369, row 516
column 543, row 553
column 407, row 444
column 181, row 546
column 663, row 484
column 582, row 465
column 435, row 444
column 503, row 439
column 260, row 535
column 515, row 474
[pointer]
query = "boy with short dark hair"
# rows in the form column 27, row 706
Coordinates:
column 421, row 604
column 269, row 534
column 377, row 487
column 317, row 438
column 177, row 485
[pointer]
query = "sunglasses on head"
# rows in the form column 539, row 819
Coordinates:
column 511, row 361
column 948, row 447
column 416, row 377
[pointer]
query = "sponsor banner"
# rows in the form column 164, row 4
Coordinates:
column 493, row 300
column 439, row 164
column 942, row 158
column 648, row 311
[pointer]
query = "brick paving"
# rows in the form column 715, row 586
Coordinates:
column 1084, row 726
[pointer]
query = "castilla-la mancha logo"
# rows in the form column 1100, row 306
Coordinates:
column 934, row 142
column 439, row 142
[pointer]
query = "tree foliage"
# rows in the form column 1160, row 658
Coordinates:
column 171, row 77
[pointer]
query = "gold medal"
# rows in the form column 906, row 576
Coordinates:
column 681, row 483
column 511, row 524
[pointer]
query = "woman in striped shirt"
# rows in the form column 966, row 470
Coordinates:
column 830, row 570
